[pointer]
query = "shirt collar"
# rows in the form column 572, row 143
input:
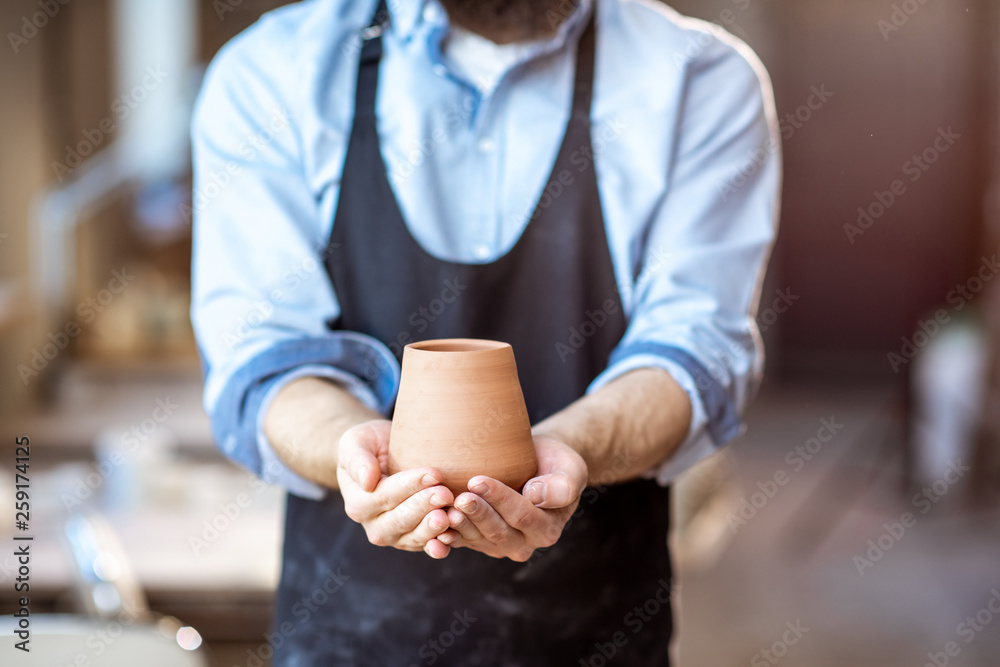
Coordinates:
column 409, row 15
column 405, row 15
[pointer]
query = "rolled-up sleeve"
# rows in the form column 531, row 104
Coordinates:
column 261, row 294
column 695, row 297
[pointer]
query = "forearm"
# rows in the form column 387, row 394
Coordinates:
column 625, row 428
column 304, row 423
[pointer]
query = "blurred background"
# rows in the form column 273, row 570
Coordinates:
column 855, row 523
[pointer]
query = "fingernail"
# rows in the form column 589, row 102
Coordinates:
column 470, row 506
column 436, row 499
column 481, row 490
column 363, row 475
column 536, row 493
column 428, row 480
column 437, row 524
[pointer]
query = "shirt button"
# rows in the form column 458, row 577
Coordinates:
column 439, row 69
column 487, row 145
column 481, row 251
column 430, row 12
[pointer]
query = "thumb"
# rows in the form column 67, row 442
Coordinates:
column 552, row 491
column 358, row 453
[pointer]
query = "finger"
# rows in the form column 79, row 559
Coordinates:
column 486, row 519
column 448, row 537
column 436, row 550
column 391, row 492
column 358, row 452
column 456, row 541
column 430, row 526
column 462, row 526
column 389, row 527
column 562, row 475
column 513, row 508
column 396, row 489
column 552, row 491
column 518, row 554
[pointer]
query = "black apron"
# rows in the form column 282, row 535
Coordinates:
column 601, row 594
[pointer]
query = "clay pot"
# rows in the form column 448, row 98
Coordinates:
column 460, row 410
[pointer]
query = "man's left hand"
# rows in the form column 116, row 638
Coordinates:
column 498, row 521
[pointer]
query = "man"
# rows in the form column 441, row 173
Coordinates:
column 595, row 183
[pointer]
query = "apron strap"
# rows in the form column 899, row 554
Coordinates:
column 583, row 85
column 371, row 54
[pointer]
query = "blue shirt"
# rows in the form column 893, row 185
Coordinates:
column 687, row 159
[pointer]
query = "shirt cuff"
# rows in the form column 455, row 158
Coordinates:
column 273, row 469
column 698, row 443
column 362, row 364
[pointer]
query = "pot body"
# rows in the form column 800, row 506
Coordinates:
column 460, row 410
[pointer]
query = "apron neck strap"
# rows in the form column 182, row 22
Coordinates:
column 583, row 83
column 371, row 54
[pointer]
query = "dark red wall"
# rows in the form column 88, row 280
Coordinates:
column 890, row 97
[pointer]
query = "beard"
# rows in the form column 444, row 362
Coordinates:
column 510, row 20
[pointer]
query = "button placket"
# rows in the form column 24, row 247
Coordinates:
column 483, row 239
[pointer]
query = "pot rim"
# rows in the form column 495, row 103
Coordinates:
column 463, row 345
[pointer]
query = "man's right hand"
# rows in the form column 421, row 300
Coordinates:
column 404, row 510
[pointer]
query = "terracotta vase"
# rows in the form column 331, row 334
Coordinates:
column 460, row 410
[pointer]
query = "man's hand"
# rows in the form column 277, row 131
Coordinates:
column 498, row 521
column 403, row 510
